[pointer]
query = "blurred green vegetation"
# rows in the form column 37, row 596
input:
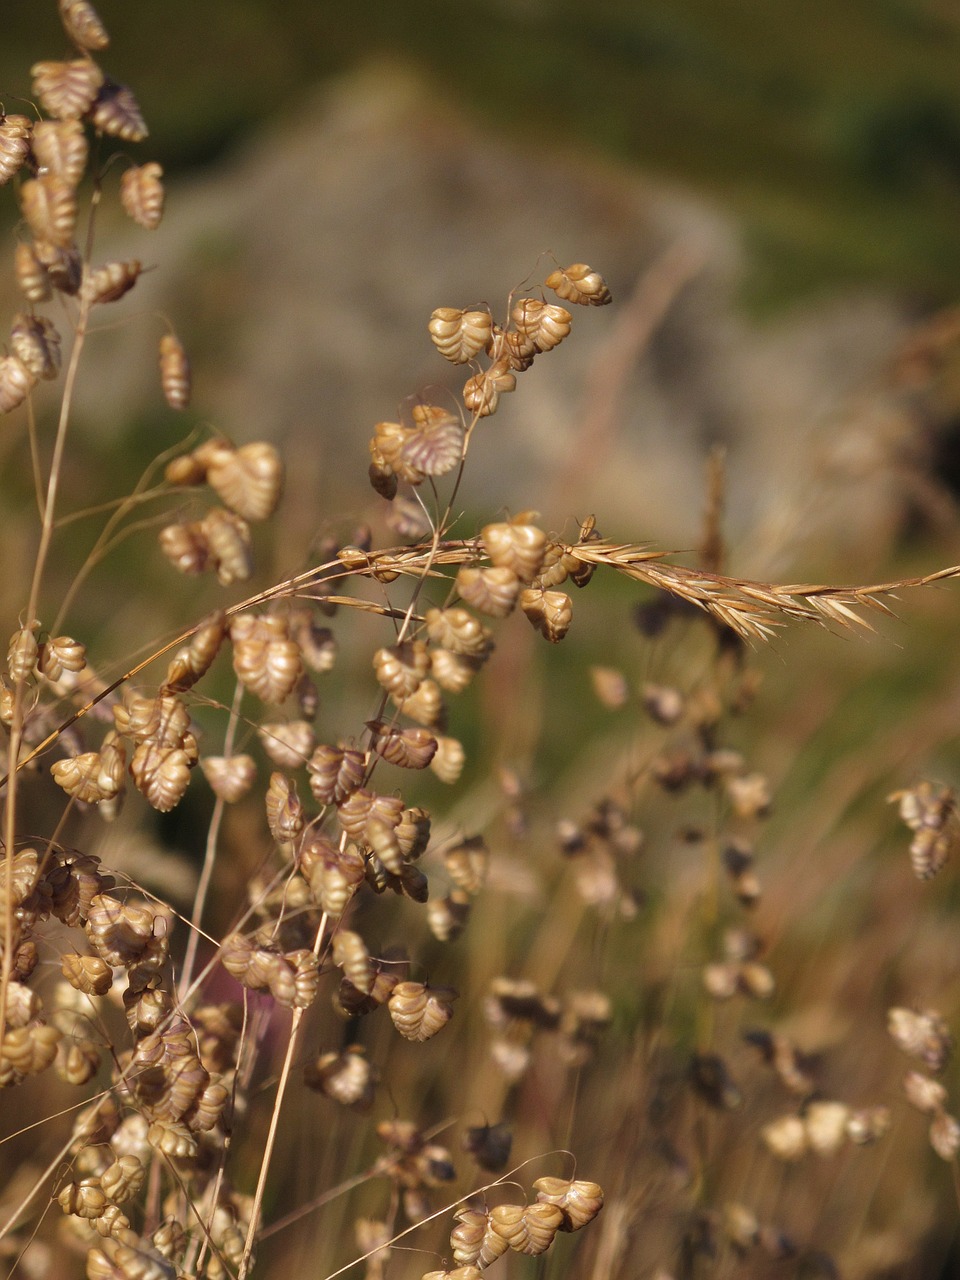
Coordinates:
column 832, row 130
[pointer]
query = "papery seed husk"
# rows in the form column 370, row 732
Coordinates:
column 578, row 1200
column 335, row 772
column 425, row 706
column 49, row 205
column 111, row 281
column 62, row 264
column 579, row 284
column 161, row 774
column 550, row 612
column 448, row 760
column 826, row 1125
column 453, row 671
column 89, row 974
column 289, row 743
column 83, row 25
column 60, row 148
column 230, row 777
column 406, row 748
column 945, row 1136
column 142, row 194
column 786, row 1138
column 435, row 445
column 541, row 323
column 32, row 278
column 418, row 1011
column 248, row 480
column 185, row 546
column 14, row 144
column 285, row 816
column 117, row 112
column 460, row 335
column 227, row 537
column 516, row 544
column 459, row 631
column 36, row 341
column 175, row 384
column 16, row 382
column 66, row 89
column 401, row 668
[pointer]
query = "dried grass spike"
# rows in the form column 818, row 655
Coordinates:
column 60, row 148
column 82, row 24
column 116, row 112
column 248, row 480
column 227, row 538
column 142, row 194
column 419, row 1011
column 175, row 374
column 458, row 335
column 50, row 207
column 67, row 89
column 579, row 284
column 14, row 145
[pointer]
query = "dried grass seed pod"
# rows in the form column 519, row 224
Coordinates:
column 142, row 194
column 116, row 112
column 66, row 89
column 492, row 591
column 83, row 25
column 227, row 537
column 174, row 372
column 420, row 1011
column 31, row 274
column 284, row 809
column 482, row 392
column 402, row 668
column 406, row 748
column 288, row 743
column 458, row 335
column 230, row 777
column 36, row 341
column 459, row 631
column 110, row 282
column 517, row 545
column 14, row 144
column 550, row 612
column 448, row 759
column 579, row 284
column 60, row 148
column 541, row 323
column 248, row 480
column 49, row 206
column 579, row 1201
column 16, row 383
column 265, row 659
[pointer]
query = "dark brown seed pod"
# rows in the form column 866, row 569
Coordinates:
column 141, row 194
column 60, row 148
column 63, row 266
column 407, row 748
column 49, row 205
column 419, row 1011
column 35, row 340
column 82, row 24
column 111, row 281
column 67, row 89
column 14, row 144
column 16, row 383
column 174, row 372
column 579, row 284
column 458, row 335
column 116, row 112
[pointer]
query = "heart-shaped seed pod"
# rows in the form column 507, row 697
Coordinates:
column 459, row 631
column 288, row 743
column 466, row 864
column 541, row 323
column 35, row 340
column 110, row 282
column 419, row 1011
column 335, row 772
column 174, row 375
column 467, row 1237
column 401, row 668
column 50, row 207
column 406, row 748
column 227, row 538
column 425, row 706
column 14, row 144
column 161, row 774
column 82, row 24
column 579, row 284
column 579, row 1201
column 89, row 974
column 434, row 445
column 385, row 845
column 194, row 661
column 116, row 112
column 362, row 806
column 493, row 591
column 350, row 954
column 413, row 832
column 449, row 759
column 452, row 671
column 458, row 335
column 142, row 194
column 334, row 874
column 22, row 653
column 185, row 546
column 66, row 90
column 266, row 660
column 284, row 809
column 481, row 393
column 248, row 480
column 551, row 612
column 517, row 545
column 60, row 148
column 230, row 777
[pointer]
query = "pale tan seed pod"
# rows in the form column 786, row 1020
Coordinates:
column 194, row 661
column 517, row 349
column 386, row 448
column 161, row 774
column 458, row 335
column 826, row 1125
column 923, row 1093
column 120, row 932
column 62, row 264
column 60, row 148
column 36, row 341
column 116, row 112
column 265, row 659
column 93, row 776
column 82, row 24
column 402, row 668
column 334, row 874
column 749, row 795
column 929, row 852
column 541, row 1222
column 721, row 980
column 362, row 806
column 785, row 1138
column 110, row 282
column 288, row 744
column 452, row 671
column 142, row 194
column 122, row 1180
column 435, row 444
column 482, row 392
column 578, row 1201
column 335, row 773
column 458, row 1273
column 459, row 631
column 66, row 90
column 921, row 1035
column 557, row 566
column 23, row 1005
column 350, row 954
column 173, row 1139
column 227, row 537
column 284, row 809
column 425, row 706
column 466, row 1238
column 49, row 205
column 22, row 653
column 420, row 1011
column 516, row 544
column 89, row 974
column 248, row 480
column 16, row 383
column 163, row 720
column 493, row 591
column 385, row 845
column 174, row 375
column 318, row 645
column 230, row 777
column 506, row 1229
column 185, row 546
column 945, row 1136
column 447, row 917
column 32, row 278
column 541, row 323
column 84, row 1199
column 14, row 144
column 610, row 687
column 349, row 1078
column 27, row 1051
column 579, row 284
column 448, row 760
column 550, row 612
column 756, row 980
column 406, row 748
column 466, row 864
